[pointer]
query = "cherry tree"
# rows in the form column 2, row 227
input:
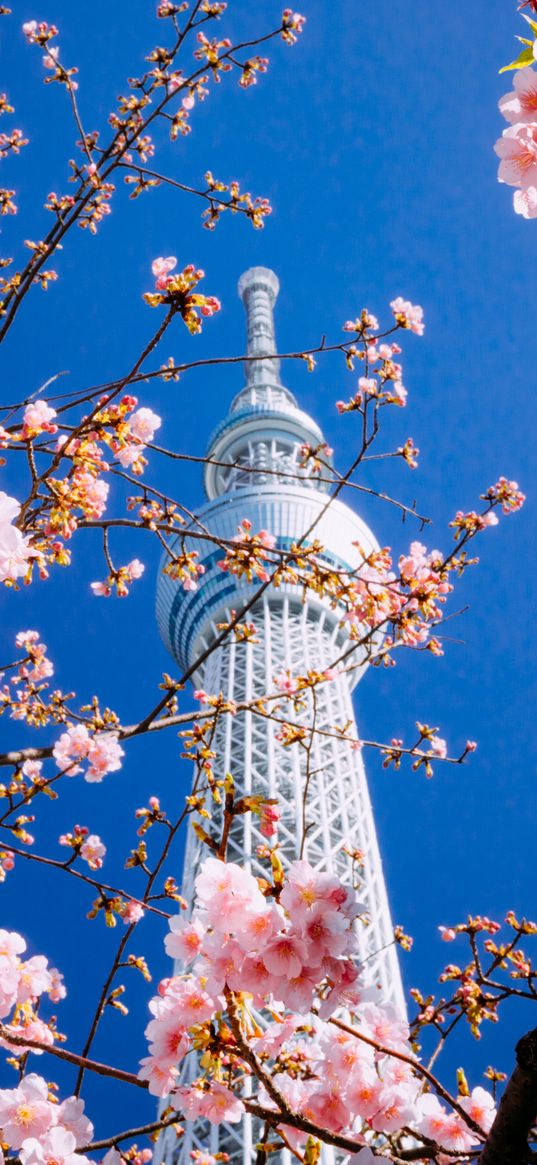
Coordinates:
column 271, row 996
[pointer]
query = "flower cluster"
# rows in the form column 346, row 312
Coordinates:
column 382, row 376
column 408, row 315
column 517, row 147
column 102, row 751
column 22, row 982
column 38, row 418
column 246, row 559
column 88, row 845
column 283, row 948
column 291, row 951
column 184, row 567
column 41, row 33
column 292, row 25
column 178, row 291
column 118, row 427
column 119, row 579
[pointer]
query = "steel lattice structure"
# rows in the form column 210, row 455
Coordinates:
column 322, row 791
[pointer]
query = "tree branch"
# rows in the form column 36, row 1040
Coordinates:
column 507, row 1142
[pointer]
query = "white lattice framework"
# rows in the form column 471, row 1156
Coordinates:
column 321, row 784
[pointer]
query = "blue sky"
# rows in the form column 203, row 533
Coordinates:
column 373, row 140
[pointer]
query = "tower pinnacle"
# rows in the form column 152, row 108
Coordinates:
column 258, row 288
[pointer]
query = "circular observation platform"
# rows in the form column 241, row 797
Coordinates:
column 188, row 620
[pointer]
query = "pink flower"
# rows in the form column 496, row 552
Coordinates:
column 102, row 751
column 520, row 106
column 186, row 938
column 269, row 818
column 57, row 990
column 255, row 977
column 480, row 1107
column 170, row 1041
column 101, row 589
column 447, row 934
column 11, row 943
column 384, row 1025
column 363, row 1091
column 144, row 423
column 9, row 983
column 275, row 1036
column 219, row 1104
column 93, row 851
column 37, row 419
column 446, row 1128
column 135, row 569
column 328, row 1108
column 34, row 1029
column 368, row 385
column 396, row 1109
column 70, row 1115
column 227, row 892
column 189, row 1001
column 408, row 315
column 132, row 912
column 104, row 756
column 34, row 978
column 57, row 1147
column 438, row 747
column 161, row 1079
column 14, row 549
column 25, row 1111
column 73, row 745
column 326, row 932
column 285, row 955
column 517, row 149
column 525, row 202
column 161, row 268
column 285, row 683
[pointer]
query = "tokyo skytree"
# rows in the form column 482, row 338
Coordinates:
column 254, row 471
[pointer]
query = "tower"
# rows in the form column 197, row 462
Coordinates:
column 254, row 471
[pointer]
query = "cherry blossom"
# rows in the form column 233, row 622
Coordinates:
column 520, row 106
column 143, row 424
column 132, row 912
column 269, row 818
column 93, row 851
column 101, row 750
column 15, row 551
column 185, row 940
column 525, row 202
column 38, row 417
column 25, row 1112
column 57, row 1147
column 517, row 149
column 161, row 269
column 480, row 1107
column 408, row 315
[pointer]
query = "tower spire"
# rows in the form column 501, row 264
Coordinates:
column 255, row 470
column 258, row 289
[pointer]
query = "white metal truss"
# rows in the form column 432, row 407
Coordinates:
column 320, row 784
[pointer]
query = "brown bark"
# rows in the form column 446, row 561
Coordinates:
column 507, row 1142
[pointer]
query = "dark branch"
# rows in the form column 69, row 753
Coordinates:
column 507, row 1142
